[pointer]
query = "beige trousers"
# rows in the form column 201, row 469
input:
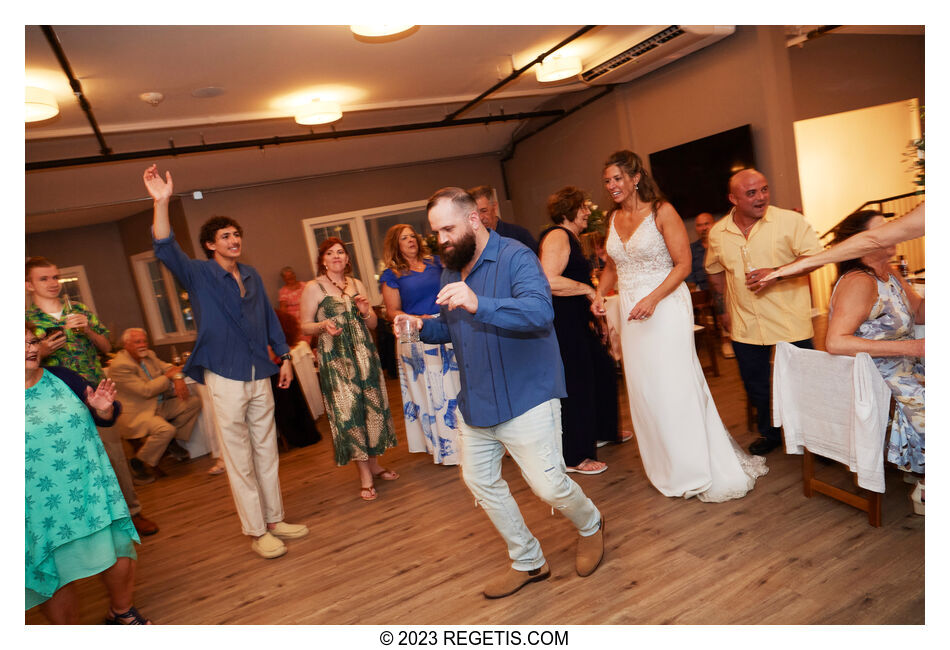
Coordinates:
column 244, row 411
column 174, row 418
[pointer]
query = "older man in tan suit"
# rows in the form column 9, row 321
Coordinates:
column 157, row 407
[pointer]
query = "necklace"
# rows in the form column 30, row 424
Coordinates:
column 343, row 288
column 745, row 231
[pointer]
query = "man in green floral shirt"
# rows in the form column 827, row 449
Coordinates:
column 72, row 338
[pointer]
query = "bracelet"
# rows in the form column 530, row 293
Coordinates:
column 178, row 375
column 364, row 317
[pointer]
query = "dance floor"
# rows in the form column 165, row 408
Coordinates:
column 421, row 552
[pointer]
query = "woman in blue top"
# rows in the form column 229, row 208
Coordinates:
column 428, row 373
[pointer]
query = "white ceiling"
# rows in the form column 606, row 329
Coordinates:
column 420, row 77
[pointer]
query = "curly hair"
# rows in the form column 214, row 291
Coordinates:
column 393, row 258
column 854, row 223
column 564, row 204
column 210, row 228
column 327, row 244
column 631, row 164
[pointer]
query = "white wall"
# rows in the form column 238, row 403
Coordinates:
column 848, row 158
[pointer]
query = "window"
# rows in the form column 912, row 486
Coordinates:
column 363, row 233
column 167, row 308
column 76, row 286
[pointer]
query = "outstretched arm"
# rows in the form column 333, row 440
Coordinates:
column 910, row 226
column 161, row 192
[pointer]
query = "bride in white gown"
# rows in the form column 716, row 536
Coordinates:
column 685, row 448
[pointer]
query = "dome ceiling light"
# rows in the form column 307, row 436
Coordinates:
column 378, row 31
column 40, row 104
column 318, row 112
column 557, row 67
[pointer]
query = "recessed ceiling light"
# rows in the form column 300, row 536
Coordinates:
column 40, row 104
column 377, row 31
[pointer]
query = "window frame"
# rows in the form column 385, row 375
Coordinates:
column 156, row 328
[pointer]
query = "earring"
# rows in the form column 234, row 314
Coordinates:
column 636, row 187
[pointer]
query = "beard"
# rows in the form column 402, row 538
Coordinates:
column 461, row 253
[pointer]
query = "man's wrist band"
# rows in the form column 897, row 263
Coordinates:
column 285, row 356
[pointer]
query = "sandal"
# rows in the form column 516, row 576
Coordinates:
column 584, row 467
column 131, row 617
column 371, row 491
column 386, row 475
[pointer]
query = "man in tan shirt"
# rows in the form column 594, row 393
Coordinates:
column 157, row 405
column 760, row 313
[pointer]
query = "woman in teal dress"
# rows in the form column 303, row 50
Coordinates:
column 77, row 522
column 874, row 310
column 335, row 308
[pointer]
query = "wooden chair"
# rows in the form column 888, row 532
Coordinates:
column 706, row 326
column 836, row 407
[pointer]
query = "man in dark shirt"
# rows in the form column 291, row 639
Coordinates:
column 703, row 224
column 496, row 310
column 235, row 325
column 487, row 204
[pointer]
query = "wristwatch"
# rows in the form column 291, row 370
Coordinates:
column 285, row 356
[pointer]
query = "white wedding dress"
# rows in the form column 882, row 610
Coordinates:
column 685, row 448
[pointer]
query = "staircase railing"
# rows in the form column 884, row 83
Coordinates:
column 823, row 279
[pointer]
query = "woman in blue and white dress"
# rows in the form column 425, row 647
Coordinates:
column 874, row 310
column 428, row 374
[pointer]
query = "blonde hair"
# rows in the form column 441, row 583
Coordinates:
column 393, row 258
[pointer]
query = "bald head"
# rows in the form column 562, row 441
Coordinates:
column 749, row 193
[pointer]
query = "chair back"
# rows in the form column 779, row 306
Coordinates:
column 301, row 357
column 834, row 406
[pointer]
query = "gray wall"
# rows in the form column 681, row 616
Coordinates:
column 868, row 70
column 271, row 215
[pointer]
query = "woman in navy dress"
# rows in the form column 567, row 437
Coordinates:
column 589, row 412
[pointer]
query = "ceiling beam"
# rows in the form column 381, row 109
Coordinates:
column 279, row 140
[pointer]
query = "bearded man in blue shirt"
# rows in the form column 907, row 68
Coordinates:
column 496, row 310
column 235, row 325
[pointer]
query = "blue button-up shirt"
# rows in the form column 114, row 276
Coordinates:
column 507, row 352
column 233, row 331
column 697, row 274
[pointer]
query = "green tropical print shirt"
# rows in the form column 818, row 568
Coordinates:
column 79, row 354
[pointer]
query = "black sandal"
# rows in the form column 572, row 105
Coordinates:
column 131, row 617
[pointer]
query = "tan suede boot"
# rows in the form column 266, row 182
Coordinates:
column 590, row 551
column 513, row 580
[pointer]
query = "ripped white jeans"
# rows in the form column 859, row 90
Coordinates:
column 534, row 441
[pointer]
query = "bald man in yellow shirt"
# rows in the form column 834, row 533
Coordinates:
column 744, row 247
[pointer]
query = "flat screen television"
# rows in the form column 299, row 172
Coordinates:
column 694, row 176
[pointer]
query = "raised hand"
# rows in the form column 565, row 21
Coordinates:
column 158, row 189
column 401, row 318
column 103, row 397
column 52, row 343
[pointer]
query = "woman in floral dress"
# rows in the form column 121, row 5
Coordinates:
column 335, row 308
column 874, row 310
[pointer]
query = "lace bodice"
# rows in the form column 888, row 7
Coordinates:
column 642, row 264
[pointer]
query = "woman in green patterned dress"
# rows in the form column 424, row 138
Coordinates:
column 77, row 523
column 335, row 308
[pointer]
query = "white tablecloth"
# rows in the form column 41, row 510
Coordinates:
column 204, row 436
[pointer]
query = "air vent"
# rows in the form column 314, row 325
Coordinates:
column 627, row 60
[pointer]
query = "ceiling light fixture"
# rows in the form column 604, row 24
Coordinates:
column 557, row 67
column 318, row 112
column 378, row 31
column 40, row 104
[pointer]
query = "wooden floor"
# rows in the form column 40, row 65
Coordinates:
column 421, row 552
